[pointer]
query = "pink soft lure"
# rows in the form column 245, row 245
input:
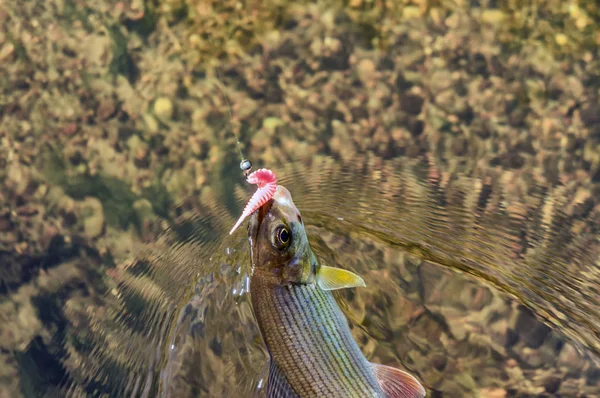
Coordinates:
column 267, row 184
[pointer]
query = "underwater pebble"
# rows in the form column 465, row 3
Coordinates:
column 492, row 16
column 552, row 384
column 561, row 39
column 92, row 213
column 143, row 209
column 366, row 69
column 492, row 392
column 151, row 124
column 411, row 12
column 570, row 360
column 272, row 123
column 163, row 108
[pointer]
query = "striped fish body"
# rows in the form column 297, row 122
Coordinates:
column 312, row 349
column 313, row 352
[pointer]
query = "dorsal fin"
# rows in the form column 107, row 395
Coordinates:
column 396, row 383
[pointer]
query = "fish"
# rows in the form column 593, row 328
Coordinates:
column 311, row 347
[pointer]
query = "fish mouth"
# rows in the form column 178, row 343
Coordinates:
column 256, row 220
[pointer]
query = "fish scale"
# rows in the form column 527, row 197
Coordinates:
column 333, row 346
column 320, row 354
column 342, row 370
column 350, row 360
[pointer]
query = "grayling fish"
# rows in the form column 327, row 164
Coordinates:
column 312, row 350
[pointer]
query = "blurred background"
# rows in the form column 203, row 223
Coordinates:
column 447, row 151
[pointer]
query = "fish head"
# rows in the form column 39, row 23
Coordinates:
column 279, row 245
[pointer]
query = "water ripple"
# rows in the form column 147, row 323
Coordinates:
column 176, row 320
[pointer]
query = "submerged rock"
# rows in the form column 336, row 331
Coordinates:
column 92, row 213
column 163, row 108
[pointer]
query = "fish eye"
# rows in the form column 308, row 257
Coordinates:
column 282, row 237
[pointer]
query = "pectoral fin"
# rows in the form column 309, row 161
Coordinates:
column 331, row 278
column 396, row 383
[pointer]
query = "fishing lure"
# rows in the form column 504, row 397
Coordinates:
column 267, row 184
column 265, row 179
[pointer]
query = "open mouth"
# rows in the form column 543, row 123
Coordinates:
column 257, row 218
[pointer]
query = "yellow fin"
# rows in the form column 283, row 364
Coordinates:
column 330, row 278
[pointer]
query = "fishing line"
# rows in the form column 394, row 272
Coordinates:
column 245, row 164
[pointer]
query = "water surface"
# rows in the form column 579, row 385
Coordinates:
column 470, row 290
column 120, row 184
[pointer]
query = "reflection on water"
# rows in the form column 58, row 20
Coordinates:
column 455, row 269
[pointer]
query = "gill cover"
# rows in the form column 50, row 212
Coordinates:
column 327, row 278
